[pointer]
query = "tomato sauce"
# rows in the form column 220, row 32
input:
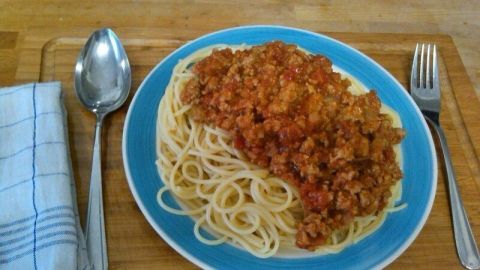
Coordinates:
column 288, row 111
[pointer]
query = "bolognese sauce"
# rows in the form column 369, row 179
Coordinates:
column 288, row 111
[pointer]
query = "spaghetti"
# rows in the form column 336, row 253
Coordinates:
column 235, row 200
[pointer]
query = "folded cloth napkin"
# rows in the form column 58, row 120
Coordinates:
column 39, row 223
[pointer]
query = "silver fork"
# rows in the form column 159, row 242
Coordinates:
column 425, row 90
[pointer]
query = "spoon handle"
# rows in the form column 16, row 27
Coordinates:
column 95, row 226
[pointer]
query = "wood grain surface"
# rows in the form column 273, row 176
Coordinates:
column 133, row 244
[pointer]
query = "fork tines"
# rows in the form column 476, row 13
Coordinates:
column 426, row 80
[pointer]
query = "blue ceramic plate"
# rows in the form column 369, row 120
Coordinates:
column 376, row 251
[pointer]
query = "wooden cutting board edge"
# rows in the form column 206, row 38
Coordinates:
column 470, row 111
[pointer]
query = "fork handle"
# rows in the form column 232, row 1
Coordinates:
column 465, row 242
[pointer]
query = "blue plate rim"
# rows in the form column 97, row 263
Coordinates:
column 171, row 242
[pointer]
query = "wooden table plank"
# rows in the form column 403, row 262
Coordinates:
column 8, row 56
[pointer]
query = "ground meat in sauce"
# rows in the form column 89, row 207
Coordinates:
column 289, row 112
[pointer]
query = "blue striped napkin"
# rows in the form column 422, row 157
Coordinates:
column 39, row 223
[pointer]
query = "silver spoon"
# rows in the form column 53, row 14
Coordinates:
column 102, row 83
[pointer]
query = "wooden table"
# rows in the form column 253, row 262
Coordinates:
column 457, row 18
column 44, row 48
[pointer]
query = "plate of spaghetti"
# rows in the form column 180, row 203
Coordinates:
column 273, row 147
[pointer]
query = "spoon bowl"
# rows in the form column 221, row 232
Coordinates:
column 102, row 83
column 102, row 73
